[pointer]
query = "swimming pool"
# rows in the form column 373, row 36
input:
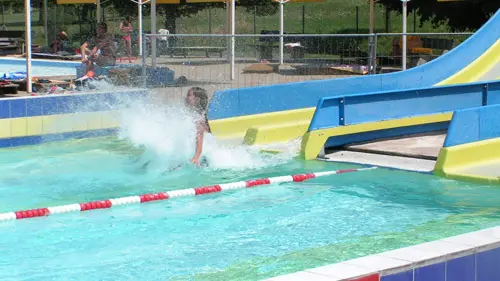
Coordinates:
column 247, row 234
column 39, row 67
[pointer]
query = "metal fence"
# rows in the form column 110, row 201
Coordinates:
column 208, row 59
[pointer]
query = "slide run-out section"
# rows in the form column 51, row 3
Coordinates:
column 282, row 112
column 357, row 118
column 472, row 147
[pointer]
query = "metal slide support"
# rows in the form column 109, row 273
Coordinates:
column 405, row 12
column 144, row 57
column 27, row 46
column 233, row 32
column 153, row 31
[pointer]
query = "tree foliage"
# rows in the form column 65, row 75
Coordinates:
column 460, row 16
column 172, row 12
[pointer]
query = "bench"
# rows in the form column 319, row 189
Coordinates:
column 8, row 89
column 11, row 41
column 185, row 50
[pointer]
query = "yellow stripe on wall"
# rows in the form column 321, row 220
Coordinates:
column 59, row 123
column 4, row 128
column 237, row 127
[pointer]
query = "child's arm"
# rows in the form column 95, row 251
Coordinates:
column 199, row 144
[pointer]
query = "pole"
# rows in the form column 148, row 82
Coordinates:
column 415, row 21
column 303, row 19
column 98, row 10
column 357, row 19
column 255, row 19
column 139, row 19
column 387, row 20
column 153, row 31
column 282, row 16
column 3, row 18
column 210, row 20
column 27, row 9
column 255, row 29
column 46, row 21
column 403, row 59
column 233, row 32
column 372, row 15
column 144, row 72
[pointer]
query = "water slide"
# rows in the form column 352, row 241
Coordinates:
column 470, row 151
column 277, row 113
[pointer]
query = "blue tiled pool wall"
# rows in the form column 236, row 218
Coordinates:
column 480, row 266
column 33, row 120
column 51, row 105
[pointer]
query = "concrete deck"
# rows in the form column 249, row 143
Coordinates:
column 421, row 146
column 416, row 153
column 388, row 161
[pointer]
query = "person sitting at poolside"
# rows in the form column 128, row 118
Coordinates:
column 197, row 101
column 60, row 44
column 103, row 52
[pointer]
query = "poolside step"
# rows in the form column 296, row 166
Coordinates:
column 388, row 161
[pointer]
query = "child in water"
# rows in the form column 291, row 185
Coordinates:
column 197, row 101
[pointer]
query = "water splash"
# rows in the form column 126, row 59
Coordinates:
column 167, row 135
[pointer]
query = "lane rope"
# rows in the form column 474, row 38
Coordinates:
column 150, row 197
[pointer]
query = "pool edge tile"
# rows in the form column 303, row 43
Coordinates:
column 302, row 276
column 342, row 271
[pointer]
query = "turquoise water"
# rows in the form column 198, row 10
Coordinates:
column 247, row 234
column 38, row 68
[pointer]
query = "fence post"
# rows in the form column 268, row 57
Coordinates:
column 374, row 63
column 371, row 49
column 342, row 111
column 485, row 94
column 144, row 50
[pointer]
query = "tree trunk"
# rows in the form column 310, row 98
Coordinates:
column 171, row 12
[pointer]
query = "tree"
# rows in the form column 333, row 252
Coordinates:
column 172, row 12
column 460, row 16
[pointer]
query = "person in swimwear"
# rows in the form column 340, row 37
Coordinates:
column 103, row 53
column 126, row 29
column 197, row 101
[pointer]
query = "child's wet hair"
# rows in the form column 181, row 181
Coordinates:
column 201, row 99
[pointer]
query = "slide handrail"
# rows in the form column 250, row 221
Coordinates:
column 353, row 109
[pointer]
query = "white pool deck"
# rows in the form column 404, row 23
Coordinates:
column 402, row 259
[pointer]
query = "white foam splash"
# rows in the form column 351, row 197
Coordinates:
column 167, row 134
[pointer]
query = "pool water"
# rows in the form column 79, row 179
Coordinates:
column 247, row 234
column 39, row 68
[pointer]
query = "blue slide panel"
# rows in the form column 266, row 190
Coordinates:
column 400, row 104
column 493, row 93
column 474, row 124
column 374, row 107
column 273, row 98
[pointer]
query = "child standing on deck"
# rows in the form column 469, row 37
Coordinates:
column 126, row 29
column 197, row 101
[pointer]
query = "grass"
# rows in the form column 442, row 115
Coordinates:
column 331, row 16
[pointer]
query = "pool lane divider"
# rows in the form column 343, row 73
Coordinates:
column 144, row 198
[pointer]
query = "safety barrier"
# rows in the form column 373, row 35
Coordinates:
column 144, row 198
column 470, row 151
column 355, row 118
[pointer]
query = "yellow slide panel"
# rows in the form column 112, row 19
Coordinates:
column 477, row 161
